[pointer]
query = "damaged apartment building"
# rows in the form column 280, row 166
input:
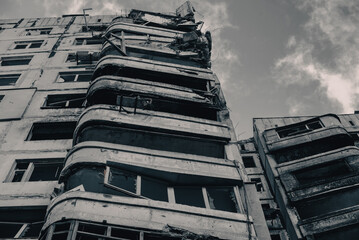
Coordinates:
column 115, row 127
column 306, row 173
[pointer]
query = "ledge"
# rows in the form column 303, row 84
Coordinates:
column 110, row 115
column 145, row 214
column 171, row 167
column 341, row 218
column 118, row 84
column 311, row 136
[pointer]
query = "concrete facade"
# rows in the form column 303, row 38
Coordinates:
column 118, row 129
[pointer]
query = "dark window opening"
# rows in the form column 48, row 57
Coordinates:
column 313, row 148
column 92, row 228
column 51, row 131
column 124, row 233
column 1, row 97
column 9, row 79
column 83, row 57
column 74, row 77
column 14, row 61
column 37, row 31
column 275, row 237
column 152, row 140
column 191, row 196
column 222, row 198
column 259, row 184
column 123, row 180
column 155, row 76
column 299, row 128
column 153, row 189
column 65, row 101
column 322, row 172
column 28, row 44
column 242, row 146
column 37, row 170
column 248, row 162
column 22, row 223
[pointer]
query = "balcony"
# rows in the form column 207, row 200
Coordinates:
column 315, row 175
column 190, row 77
column 143, row 214
column 138, row 94
column 152, row 130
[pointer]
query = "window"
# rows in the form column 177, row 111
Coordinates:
column 20, row 223
column 87, row 41
column 83, row 57
column 248, row 162
column 299, row 128
column 130, row 184
column 259, row 184
column 37, row 31
column 74, row 77
column 51, row 131
column 14, row 61
column 1, row 97
column 28, row 44
column 9, row 79
column 275, row 237
column 65, row 101
column 322, row 172
column 34, row 170
column 242, row 146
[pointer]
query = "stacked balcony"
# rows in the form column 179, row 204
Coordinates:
column 313, row 168
column 149, row 152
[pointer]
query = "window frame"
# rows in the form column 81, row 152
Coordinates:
column 76, row 74
column 16, row 58
column 12, row 75
column 31, row 167
column 28, row 44
column 84, row 41
column 298, row 132
column 28, row 31
column 30, row 134
column 170, row 190
column 67, row 102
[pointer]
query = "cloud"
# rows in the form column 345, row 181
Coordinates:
column 327, row 52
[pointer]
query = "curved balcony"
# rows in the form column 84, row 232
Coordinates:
column 156, row 97
column 155, row 48
column 136, row 29
column 171, row 167
column 152, row 130
column 144, row 214
column 333, row 226
column 190, row 77
column 321, row 173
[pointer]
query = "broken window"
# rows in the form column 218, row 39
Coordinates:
column 14, row 61
column 222, row 198
column 9, row 79
column 299, row 128
column 87, row 41
column 33, row 170
column 122, row 180
column 37, row 31
column 65, row 101
column 51, row 131
column 259, row 184
column 84, row 76
column 322, row 172
column 83, row 57
column 248, row 162
column 191, row 196
column 20, row 223
column 28, row 44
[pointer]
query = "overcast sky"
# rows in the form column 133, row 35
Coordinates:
column 273, row 57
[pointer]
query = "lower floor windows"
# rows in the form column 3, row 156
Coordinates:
column 124, row 183
column 96, row 231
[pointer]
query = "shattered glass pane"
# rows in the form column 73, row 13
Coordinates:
column 222, row 198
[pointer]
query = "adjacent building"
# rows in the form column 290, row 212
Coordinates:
column 115, row 127
column 306, row 170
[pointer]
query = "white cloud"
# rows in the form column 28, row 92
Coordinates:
column 327, row 53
